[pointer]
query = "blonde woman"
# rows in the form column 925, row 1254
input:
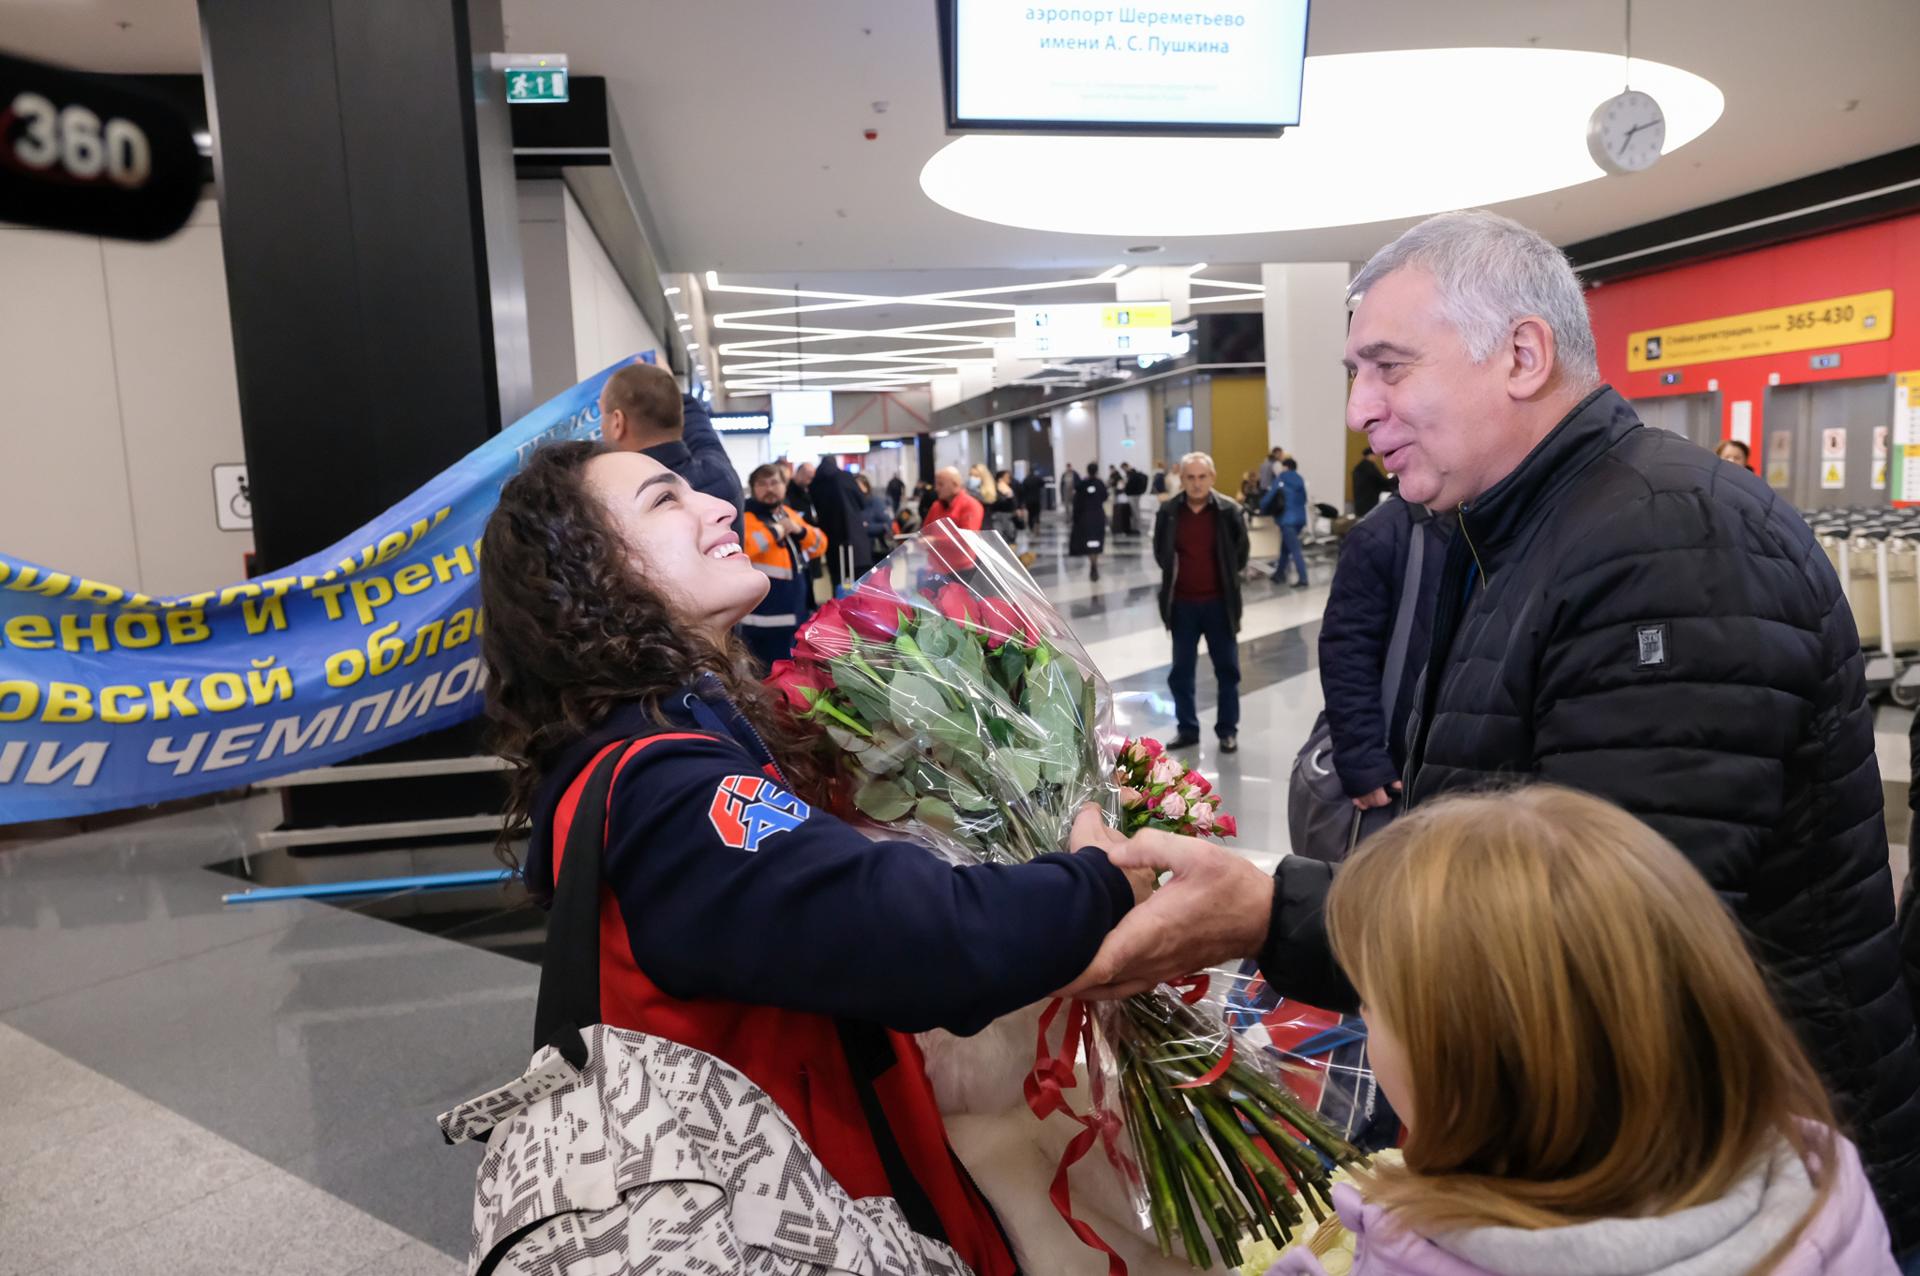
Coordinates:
column 980, row 479
column 1594, row 1077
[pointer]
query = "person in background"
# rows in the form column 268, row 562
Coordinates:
column 1370, row 483
column 1623, row 614
column 1290, row 513
column 1069, row 483
column 780, row 544
column 642, row 410
column 1122, row 507
column 1200, row 543
column 923, row 498
column 1250, row 494
column 980, row 483
column 1736, row 451
column 1006, row 515
column 1363, row 607
column 1270, row 469
column 896, row 491
column 800, row 491
column 1593, row 1074
column 876, row 516
column 1159, row 484
column 1136, row 491
column 1088, row 534
column 953, row 501
column 1033, row 494
column 839, row 510
column 1003, row 508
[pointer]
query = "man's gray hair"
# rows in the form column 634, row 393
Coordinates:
column 1491, row 272
column 1202, row 458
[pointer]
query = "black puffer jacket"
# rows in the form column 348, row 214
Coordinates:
column 1626, row 615
column 1370, row 752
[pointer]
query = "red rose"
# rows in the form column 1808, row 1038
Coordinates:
column 1002, row 620
column 874, row 611
column 799, row 685
column 1152, row 747
column 1197, row 780
column 957, row 603
column 1224, row 825
column 824, row 636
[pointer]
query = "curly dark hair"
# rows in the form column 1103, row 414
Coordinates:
column 573, row 631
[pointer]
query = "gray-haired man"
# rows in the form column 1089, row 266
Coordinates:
column 1200, row 542
column 1620, row 613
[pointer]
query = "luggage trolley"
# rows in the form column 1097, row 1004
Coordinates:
column 1876, row 555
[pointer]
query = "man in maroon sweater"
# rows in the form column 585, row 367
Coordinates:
column 1200, row 542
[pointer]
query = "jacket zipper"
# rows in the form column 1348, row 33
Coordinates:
column 745, row 721
column 1473, row 549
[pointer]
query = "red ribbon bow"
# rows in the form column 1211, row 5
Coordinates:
column 1053, row 1075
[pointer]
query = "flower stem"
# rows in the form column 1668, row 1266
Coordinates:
column 825, row 706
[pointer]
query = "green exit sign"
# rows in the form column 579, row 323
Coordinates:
column 536, row 84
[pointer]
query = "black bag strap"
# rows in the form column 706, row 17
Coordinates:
column 1390, row 674
column 570, row 961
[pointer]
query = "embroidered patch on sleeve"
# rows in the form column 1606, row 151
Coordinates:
column 748, row 809
column 1653, row 646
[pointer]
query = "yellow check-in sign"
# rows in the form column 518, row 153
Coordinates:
column 1137, row 314
column 1811, row 325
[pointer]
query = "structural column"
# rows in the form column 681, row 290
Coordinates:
column 369, row 223
column 1305, row 316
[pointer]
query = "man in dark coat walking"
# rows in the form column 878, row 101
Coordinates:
column 1620, row 613
column 839, row 511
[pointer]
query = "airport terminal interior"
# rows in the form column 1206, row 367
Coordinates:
column 291, row 290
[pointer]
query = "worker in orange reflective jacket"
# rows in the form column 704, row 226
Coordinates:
column 780, row 544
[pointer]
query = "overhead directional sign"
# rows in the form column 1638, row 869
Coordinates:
column 1811, row 325
column 1094, row 330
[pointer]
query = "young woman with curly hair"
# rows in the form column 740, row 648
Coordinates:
column 738, row 918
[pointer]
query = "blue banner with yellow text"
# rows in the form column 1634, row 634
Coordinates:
column 111, row 699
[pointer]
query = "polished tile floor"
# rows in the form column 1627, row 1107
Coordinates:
column 192, row 1086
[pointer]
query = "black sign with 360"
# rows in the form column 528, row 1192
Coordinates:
column 1798, row 319
column 80, row 154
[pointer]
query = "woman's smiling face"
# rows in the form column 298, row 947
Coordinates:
column 681, row 541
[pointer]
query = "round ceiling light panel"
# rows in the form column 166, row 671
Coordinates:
column 1387, row 135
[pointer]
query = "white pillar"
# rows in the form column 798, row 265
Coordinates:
column 1306, row 334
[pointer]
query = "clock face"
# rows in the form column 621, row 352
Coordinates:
column 1626, row 133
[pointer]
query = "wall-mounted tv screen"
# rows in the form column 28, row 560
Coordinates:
column 1199, row 67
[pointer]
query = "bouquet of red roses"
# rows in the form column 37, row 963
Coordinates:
column 953, row 703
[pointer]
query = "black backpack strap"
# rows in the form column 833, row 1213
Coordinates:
column 570, row 962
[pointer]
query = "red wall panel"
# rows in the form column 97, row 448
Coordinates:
column 1883, row 255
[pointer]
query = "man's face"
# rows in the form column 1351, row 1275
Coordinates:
column 770, row 489
column 1196, row 480
column 946, row 485
column 1433, row 416
column 804, row 475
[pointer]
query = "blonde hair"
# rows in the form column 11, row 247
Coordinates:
column 989, row 492
column 1586, row 1034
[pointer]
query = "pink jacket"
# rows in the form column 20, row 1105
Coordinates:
column 1848, row 1237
